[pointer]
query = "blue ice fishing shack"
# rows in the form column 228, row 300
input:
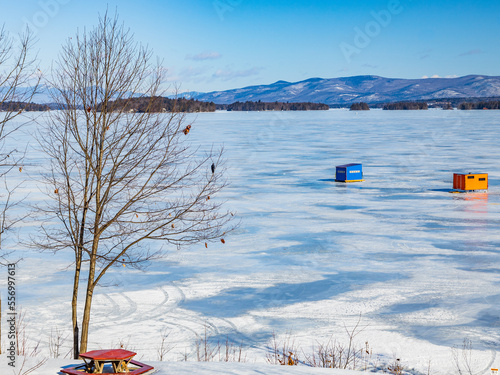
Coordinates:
column 349, row 173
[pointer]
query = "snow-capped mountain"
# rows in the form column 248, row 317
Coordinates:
column 369, row 89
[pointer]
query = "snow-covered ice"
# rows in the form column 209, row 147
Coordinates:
column 419, row 267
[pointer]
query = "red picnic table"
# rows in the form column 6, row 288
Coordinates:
column 120, row 359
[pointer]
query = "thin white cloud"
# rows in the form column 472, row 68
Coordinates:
column 190, row 72
column 202, row 56
column 426, row 50
column 170, row 74
column 229, row 74
column 187, row 74
column 476, row 51
column 425, row 53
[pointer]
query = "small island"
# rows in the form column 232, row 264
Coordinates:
column 479, row 105
column 160, row 104
column 361, row 106
column 272, row 106
column 406, row 106
column 22, row 106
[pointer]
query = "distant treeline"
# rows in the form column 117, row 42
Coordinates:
column 446, row 103
column 406, row 106
column 20, row 106
column 480, row 105
column 159, row 104
column 272, row 106
column 360, row 107
column 456, row 102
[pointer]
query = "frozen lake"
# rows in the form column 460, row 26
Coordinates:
column 419, row 265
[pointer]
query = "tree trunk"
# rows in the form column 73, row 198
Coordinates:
column 86, row 317
column 74, row 311
column 76, row 352
column 91, row 283
column 78, row 264
column 88, row 299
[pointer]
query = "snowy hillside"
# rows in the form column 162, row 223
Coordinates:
column 370, row 89
column 360, row 88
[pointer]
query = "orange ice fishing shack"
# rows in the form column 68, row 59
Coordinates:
column 470, row 181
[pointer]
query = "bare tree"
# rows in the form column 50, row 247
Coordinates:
column 164, row 347
column 463, row 359
column 16, row 71
column 56, row 341
column 18, row 83
column 25, row 370
column 119, row 180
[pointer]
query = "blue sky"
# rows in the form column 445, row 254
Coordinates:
column 212, row 45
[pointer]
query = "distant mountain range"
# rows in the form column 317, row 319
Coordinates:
column 344, row 90
column 370, row 89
